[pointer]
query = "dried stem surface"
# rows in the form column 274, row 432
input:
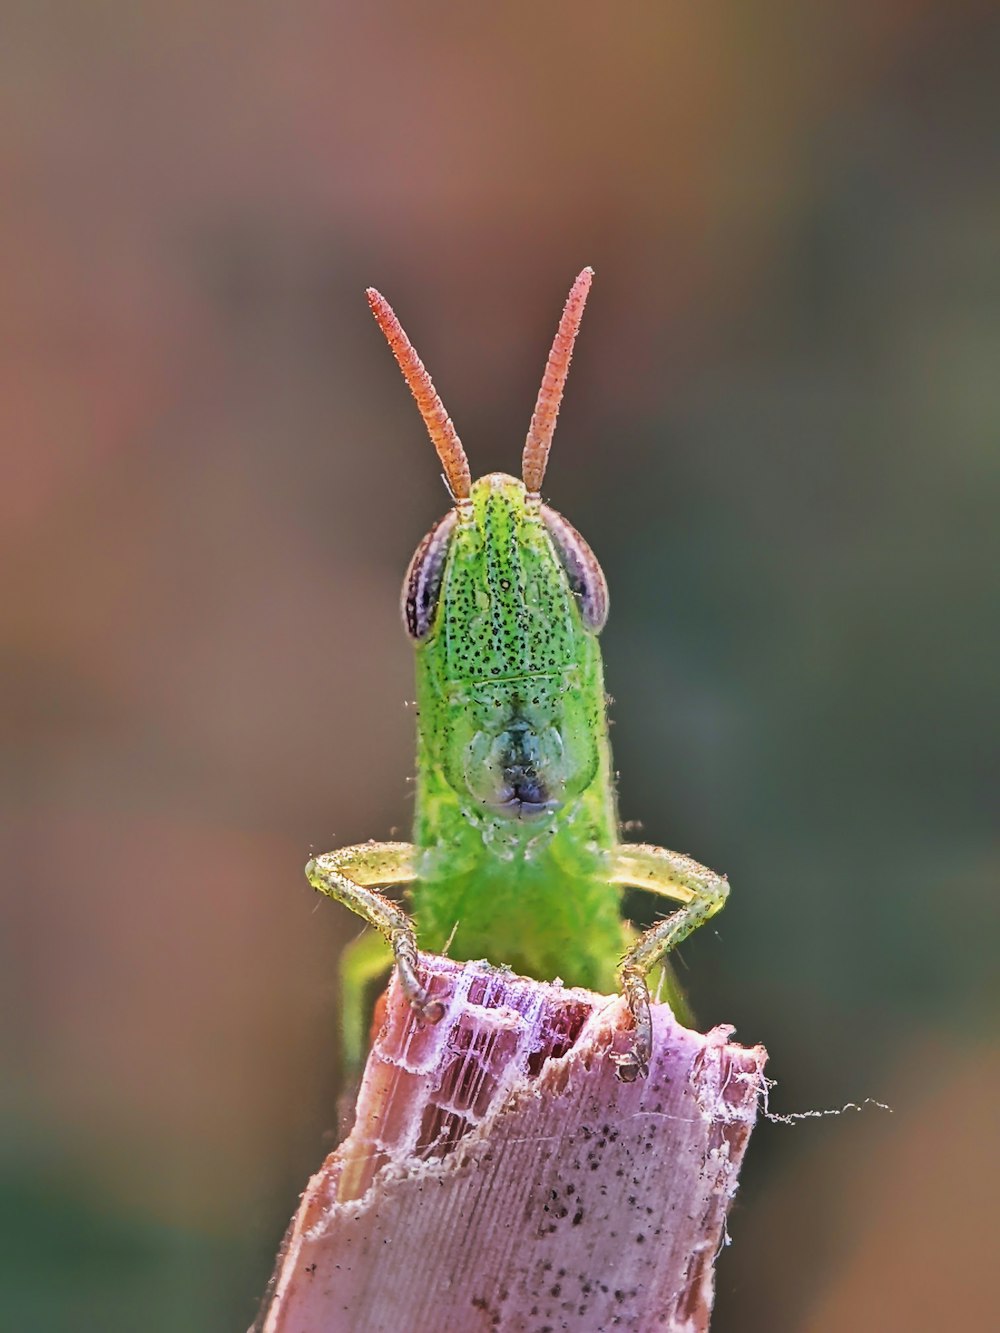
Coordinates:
column 499, row 1177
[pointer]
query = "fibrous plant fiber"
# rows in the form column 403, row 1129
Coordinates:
column 499, row 1176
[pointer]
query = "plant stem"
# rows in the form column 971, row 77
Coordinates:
column 499, row 1176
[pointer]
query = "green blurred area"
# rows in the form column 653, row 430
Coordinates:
column 71, row 1263
column 780, row 438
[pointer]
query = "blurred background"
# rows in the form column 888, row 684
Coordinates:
column 779, row 436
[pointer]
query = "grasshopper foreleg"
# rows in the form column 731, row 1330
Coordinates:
column 348, row 875
column 702, row 893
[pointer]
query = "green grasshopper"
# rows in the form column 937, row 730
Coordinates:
column 516, row 855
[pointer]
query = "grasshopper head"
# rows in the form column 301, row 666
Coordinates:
column 504, row 600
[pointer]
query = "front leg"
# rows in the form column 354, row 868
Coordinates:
column 348, row 875
column 702, row 893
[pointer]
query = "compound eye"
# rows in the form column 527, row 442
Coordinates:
column 422, row 584
column 586, row 578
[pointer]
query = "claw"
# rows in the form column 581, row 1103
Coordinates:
column 633, row 1063
column 629, row 1066
column 431, row 1011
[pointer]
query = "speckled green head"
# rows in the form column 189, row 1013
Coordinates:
column 504, row 601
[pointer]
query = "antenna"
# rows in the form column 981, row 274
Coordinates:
column 436, row 419
column 543, row 419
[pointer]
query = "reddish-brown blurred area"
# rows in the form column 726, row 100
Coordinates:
column 779, row 435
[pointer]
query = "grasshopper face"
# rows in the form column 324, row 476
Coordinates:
column 505, row 600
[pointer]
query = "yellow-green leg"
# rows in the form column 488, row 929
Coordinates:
column 363, row 961
column 672, row 875
column 349, row 875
